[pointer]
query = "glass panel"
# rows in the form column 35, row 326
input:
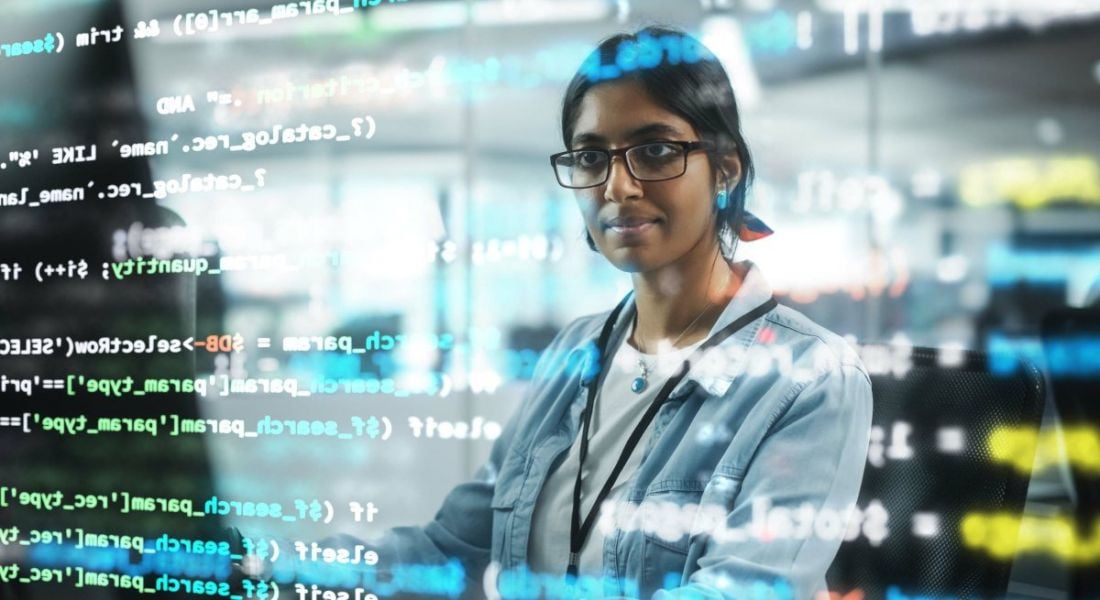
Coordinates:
column 291, row 268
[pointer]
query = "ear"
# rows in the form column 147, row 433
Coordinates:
column 730, row 171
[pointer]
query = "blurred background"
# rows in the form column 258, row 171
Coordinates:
column 930, row 169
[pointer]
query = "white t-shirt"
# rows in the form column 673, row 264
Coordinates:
column 618, row 411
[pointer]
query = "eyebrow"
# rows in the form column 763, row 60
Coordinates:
column 643, row 131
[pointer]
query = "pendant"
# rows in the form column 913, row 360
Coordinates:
column 640, row 382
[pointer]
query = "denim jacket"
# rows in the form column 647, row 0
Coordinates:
column 744, row 485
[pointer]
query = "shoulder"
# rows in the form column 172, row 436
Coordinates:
column 582, row 329
column 816, row 351
column 567, row 353
column 827, row 383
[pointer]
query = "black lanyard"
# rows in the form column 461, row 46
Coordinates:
column 578, row 532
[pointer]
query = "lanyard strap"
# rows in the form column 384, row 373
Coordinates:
column 578, row 532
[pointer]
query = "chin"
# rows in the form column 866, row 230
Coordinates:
column 632, row 259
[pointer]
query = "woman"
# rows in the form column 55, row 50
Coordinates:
column 713, row 480
column 660, row 170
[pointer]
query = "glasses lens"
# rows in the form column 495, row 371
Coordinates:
column 657, row 161
column 582, row 168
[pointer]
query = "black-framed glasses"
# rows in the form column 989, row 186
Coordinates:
column 651, row 161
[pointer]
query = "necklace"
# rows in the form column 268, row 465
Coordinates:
column 642, row 381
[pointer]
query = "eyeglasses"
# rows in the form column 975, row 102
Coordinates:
column 652, row 161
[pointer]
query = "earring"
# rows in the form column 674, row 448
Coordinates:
column 722, row 200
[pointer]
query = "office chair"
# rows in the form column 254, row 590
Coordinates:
column 947, row 414
column 1071, row 346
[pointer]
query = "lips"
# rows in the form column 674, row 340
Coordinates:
column 631, row 227
column 630, row 222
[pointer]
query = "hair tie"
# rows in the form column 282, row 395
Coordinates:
column 752, row 228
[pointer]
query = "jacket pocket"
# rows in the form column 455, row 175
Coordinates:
column 502, row 505
column 667, row 514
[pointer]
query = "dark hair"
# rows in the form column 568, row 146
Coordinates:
column 684, row 77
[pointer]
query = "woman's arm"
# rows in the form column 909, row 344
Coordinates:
column 462, row 527
column 460, row 531
column 814, row 456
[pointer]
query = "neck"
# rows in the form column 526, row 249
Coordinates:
column 679, row 303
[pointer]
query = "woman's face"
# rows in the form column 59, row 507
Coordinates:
column 641, row 226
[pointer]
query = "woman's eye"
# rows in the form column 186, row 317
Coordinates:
column 658, row 150
column 588, row 159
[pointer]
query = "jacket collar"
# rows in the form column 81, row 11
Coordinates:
column 754, row 291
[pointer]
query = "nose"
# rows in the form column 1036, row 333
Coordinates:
column 620, row 184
